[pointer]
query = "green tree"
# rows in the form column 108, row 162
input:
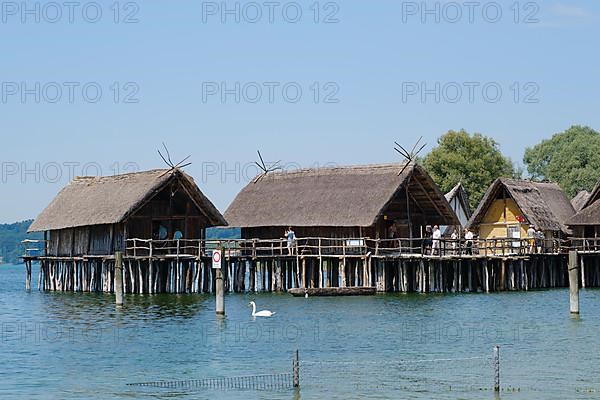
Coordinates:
column 11, row 236
column 570, row 158
column 475, row 160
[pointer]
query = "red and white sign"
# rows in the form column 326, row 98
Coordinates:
column 216, row 259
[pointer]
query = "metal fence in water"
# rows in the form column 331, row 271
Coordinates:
column 418, row 375
column 410, row 376
column 440, row 378
column 270, row 382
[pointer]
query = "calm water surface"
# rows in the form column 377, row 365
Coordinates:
column 78, row 346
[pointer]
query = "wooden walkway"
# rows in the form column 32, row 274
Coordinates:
column 398, row 265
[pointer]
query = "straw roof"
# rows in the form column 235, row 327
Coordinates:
column 593, row 197
column 543, row 204
column 579, row 201
column 589, row 214
column 111, row 199
column 334, row 197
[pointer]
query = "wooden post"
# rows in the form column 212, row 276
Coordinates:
column 320, row 265
column 342, row 273
column 369, row 269
column 118, row 279
column 40, row 276
column 311, row 267
column 220, row 287
column 582, row 273
column 296, row 368
column 28, row 277
column 503, row 275
column 573, row 282
column 496, row 369
column 342, row 268
column 365, row 278
column 304, row 272
column 219, row 291
column 252, row 276
column 278, row 280
column 486, row 278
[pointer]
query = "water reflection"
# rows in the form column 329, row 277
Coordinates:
column 91, row 307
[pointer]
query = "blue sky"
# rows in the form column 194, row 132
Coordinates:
column 370, row 68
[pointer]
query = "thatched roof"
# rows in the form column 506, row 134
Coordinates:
column 594, row 196
column 579, row 201
column 459, row 192
column 111, row 199
column 589, row 214
column 543, row 204
column 334, row 197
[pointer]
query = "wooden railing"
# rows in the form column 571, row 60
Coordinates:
column 348, row 247
column 341, row 247
column 33, row 248
column 585, row 244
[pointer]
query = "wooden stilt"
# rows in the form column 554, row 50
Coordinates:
column 304, row 272
column 28, row 277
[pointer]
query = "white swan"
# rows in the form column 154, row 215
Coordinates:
column 263, row 313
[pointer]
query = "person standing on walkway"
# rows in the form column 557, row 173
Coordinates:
column 426, row 247
column 540, row 239
column 531, row 238
column 291, row 240
column 469, row 241
column 437, row 236
column 455, row 239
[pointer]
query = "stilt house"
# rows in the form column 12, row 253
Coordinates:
column 586, row 223
column 511, row 206
column 95, row 216
column 370, row 201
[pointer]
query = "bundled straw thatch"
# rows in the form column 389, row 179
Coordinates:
column 589, row 213
column 580, row 199
column 335, row 197
column 543, row 204
column 111, row 199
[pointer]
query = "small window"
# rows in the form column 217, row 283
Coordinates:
column 514, row 232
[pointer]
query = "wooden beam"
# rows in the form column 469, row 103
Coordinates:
column 125, row 236
column 149, row 197
column 410, row 227
column 401, row 186
column 112, row 239
column 182, row 184
column 417, row 204
column 429, row 198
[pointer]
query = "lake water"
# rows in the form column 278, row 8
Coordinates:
column 78, row 346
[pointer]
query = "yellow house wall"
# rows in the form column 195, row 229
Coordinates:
column 500, row 214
